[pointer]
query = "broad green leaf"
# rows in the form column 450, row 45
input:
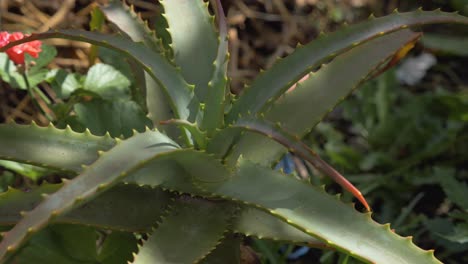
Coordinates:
column 314, row 212
column 455, row 190
column 109, row 169
column 320, row 93
column 286, row 72
column 117, row 117
column 106, row 81
column 459, row 234
column 9, row 73
column 179, row 93
column 213, row 115
column 118, row 248
column 190, row 231
column 50, row 147
column 63, row 83
column 45, row 57
column 123, row 208
column 194, row 41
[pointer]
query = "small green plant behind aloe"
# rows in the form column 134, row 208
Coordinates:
column 203, row 174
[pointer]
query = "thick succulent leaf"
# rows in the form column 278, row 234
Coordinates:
column 51, row 147
column 118, row 117
column 316, row 213
column 450, row 44
column 125, row 207
column 254, row 222
column 131, row 23
column 117, row 248
column 213, row 115
column 320, row 93
column 51, row 246
column 227, row 252
column 180, row 94
column 191, row 230
column 272, row 83
column 298, row 147
column 194, row 41
column 109, row 169
column 127, row 20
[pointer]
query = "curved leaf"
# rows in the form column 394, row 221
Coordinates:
column 51, row 147
column 194, row 41
column 127, row 208
column 213, row 115
column 110, row 168
column 130, row 22
column 272, row 83
column 320, row 93
column 298, row 147
column 315, row 213
column 254, row 222
column 192, row 230
column 179, row 93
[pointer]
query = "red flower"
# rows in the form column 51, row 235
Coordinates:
column 16, row 53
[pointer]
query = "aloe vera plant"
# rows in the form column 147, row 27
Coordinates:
column 204, row 174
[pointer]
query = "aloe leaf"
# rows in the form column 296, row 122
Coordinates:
column 179, row 93
column 320, row 215
column 51, row 147
column 117, row 248
column 118, row 117
column 52, row 246
column 227, row 252
column 110, row 168
column 285, row 72
column 190, row 231
column 131, row 23
column 321, row 92
column 141, row 206
column 298, row 147
column 213, row 115
column 194, row 41
column 254, row 222
column 451, row 44
column 198, row 136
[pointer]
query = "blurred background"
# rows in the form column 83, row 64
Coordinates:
column 402, row 138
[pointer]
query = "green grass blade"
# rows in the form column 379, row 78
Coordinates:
column 51, row 147
column 191, row 230
column 318, row 214
column 285, row 72
column 194, row 41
